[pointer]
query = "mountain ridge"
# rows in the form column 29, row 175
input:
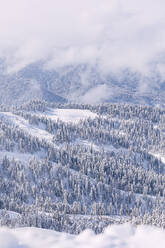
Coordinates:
column 77, row 84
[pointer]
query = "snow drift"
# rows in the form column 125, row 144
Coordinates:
column 123, row 236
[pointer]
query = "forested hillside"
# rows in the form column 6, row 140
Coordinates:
column 72, row 167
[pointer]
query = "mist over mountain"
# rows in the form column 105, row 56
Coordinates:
column 82, row 123
column 78, row 84
column 93, row 52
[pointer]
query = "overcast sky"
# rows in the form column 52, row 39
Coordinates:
column 114, row 34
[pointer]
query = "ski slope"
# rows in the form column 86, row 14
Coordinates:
column 124, row 236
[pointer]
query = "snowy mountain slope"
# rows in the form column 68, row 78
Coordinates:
column 74, row 167
column 25, row 126
column 80, row 84
column 17, row 89
column 65, row 115
column 23, row 157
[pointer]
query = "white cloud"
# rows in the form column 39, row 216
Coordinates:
column 8, row 240
column 115, row 35
column 98, row 94
column 114, row 237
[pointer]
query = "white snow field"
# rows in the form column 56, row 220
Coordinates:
column 123, row 236
column 70, row 115
column 159, row 156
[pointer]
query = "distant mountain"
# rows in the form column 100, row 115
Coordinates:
column 82, row 83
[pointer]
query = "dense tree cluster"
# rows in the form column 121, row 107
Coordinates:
column 88, row 173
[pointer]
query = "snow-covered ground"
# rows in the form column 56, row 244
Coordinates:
column 23, row 157
column 159, row 156
column 26, row 127
column 106, row 148
column 123, row 236
column 11, row 214
column 65, row 115
column 70, row 115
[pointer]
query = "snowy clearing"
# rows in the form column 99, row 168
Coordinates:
column 123, row 236
column 159, row 156
column 26, row 127
column 70, row 115
column 106, row 148
column 23, row 157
